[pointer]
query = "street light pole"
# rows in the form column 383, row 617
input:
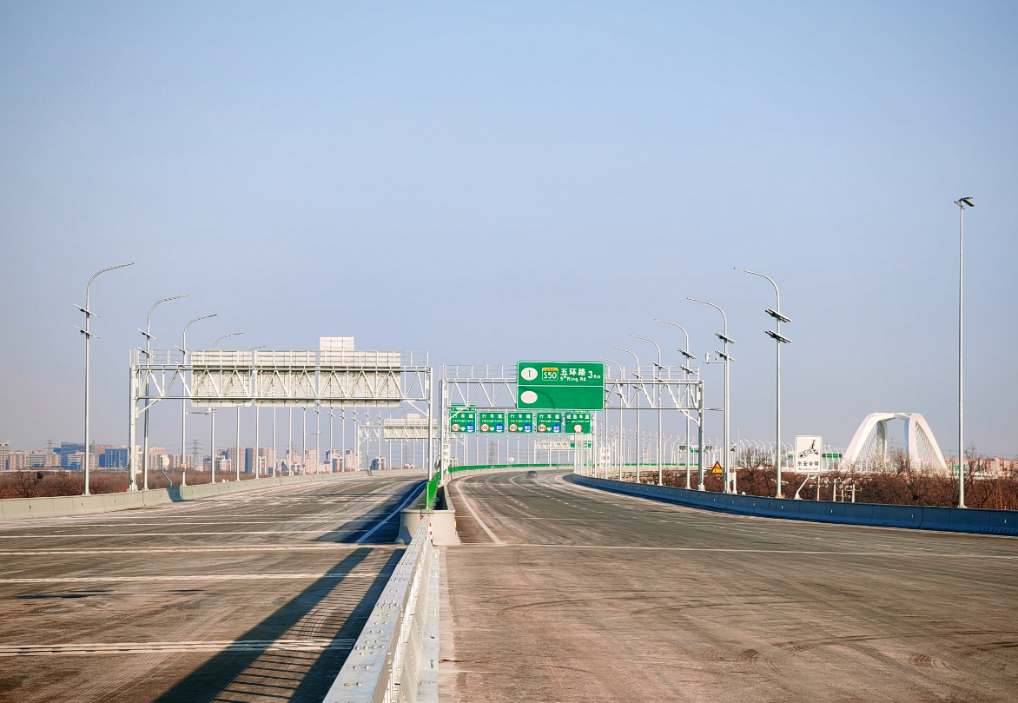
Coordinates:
column 726, row 450
column 639, row 440
column 961, row 203
column 86, row 455
column 685, row 372
column 778, row 340
column 213, row 411
column 618, row 437
column 148, row 391
column 657, row 371
column 183, row 402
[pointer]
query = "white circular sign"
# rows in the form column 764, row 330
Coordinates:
column 528, row 397
column 542, row 427
column 455, row 427
column 513, row 427
column 529, row 373
column 484, row 427
column 578, row 428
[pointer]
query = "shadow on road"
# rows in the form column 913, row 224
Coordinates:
column 331, row 608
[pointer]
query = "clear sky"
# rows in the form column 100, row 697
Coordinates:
column 495, row 181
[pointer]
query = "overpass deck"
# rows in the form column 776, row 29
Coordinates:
column 565, row 593
column 254, row 596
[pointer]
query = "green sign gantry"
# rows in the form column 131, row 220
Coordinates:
column 578, row 422
column 488, row 421
column 549, row 422
column 560, row 385
column 521, row 422
column 462, row 418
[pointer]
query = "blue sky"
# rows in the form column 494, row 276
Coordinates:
column 497, row 181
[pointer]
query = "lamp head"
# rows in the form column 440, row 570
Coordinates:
column 962, row 202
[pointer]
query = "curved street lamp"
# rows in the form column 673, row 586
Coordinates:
column 183, row 402
column 86, row 454
column 961, row 203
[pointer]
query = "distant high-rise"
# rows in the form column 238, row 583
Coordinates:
column 5, row 452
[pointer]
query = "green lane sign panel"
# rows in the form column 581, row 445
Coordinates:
column 521, row 422
column 549, row 422
column 578, row 422
column 560, row 385
column 491, row 421
column 462, row 418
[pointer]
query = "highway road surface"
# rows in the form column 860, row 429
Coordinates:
column 567, row 593
column 256, row 596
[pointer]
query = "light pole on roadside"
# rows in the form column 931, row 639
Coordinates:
column 685, row 371
column 183, row 402
column 639, row 441
column 726, row 450
column 961, row 203
column 148, row 390
column 213, row 409
column 86, row 455
column 779, row 340
column 618, row 437
column 657, row 394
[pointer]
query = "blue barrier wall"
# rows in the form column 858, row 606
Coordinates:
column 996, row 522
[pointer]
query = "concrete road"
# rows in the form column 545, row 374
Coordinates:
column 567, row 593
column 249, row 597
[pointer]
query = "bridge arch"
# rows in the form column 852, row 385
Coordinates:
column 869, row 445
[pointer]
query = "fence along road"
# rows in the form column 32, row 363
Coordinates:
column 595, row 596
column 254, row 596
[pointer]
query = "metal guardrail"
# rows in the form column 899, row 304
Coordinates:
column 396, row 656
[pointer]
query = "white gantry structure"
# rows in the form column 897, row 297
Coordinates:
column 869, row 445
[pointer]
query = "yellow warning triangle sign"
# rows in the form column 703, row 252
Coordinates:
column 717, row 468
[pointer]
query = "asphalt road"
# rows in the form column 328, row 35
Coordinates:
column 568, row 593
column 255, row 596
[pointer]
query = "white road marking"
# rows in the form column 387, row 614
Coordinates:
column 370, row 532
column 461, row 496
column 191, row 577
column 923, row 555
column 302, row 645
column 321, row 546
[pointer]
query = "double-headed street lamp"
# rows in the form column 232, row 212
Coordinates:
column 619, row 438
column 726, row 451
column 86, row 455
column 183, row 386
column 779, row 340
column 147, row 332
column 657, row 371
column 961, row 203
column 686, row 371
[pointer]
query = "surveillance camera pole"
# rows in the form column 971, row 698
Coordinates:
column 726, row 450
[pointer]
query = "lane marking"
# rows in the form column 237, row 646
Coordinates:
column 192, row 577
column 321, row 546
column 370, row 532
column 462, row 496
column 96, row 648
column 240, row 533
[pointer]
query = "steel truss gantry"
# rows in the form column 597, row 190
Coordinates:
column 626, row 388
column 214, row 378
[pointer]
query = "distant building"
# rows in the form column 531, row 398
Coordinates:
column 17, row 461
column 41, row 459
column 378, row 463
column 5, row 453
column 70, row 455
column 114, row 457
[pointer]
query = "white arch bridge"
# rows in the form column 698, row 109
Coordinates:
column 868, row 448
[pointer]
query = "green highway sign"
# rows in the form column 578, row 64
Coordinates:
column 549, row 422
column 578, row 422
column 462, row 418
column 560, row 385
column 521, row 422
column 488, row 421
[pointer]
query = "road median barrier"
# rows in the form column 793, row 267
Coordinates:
column 395, row 658
column 971, row 520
